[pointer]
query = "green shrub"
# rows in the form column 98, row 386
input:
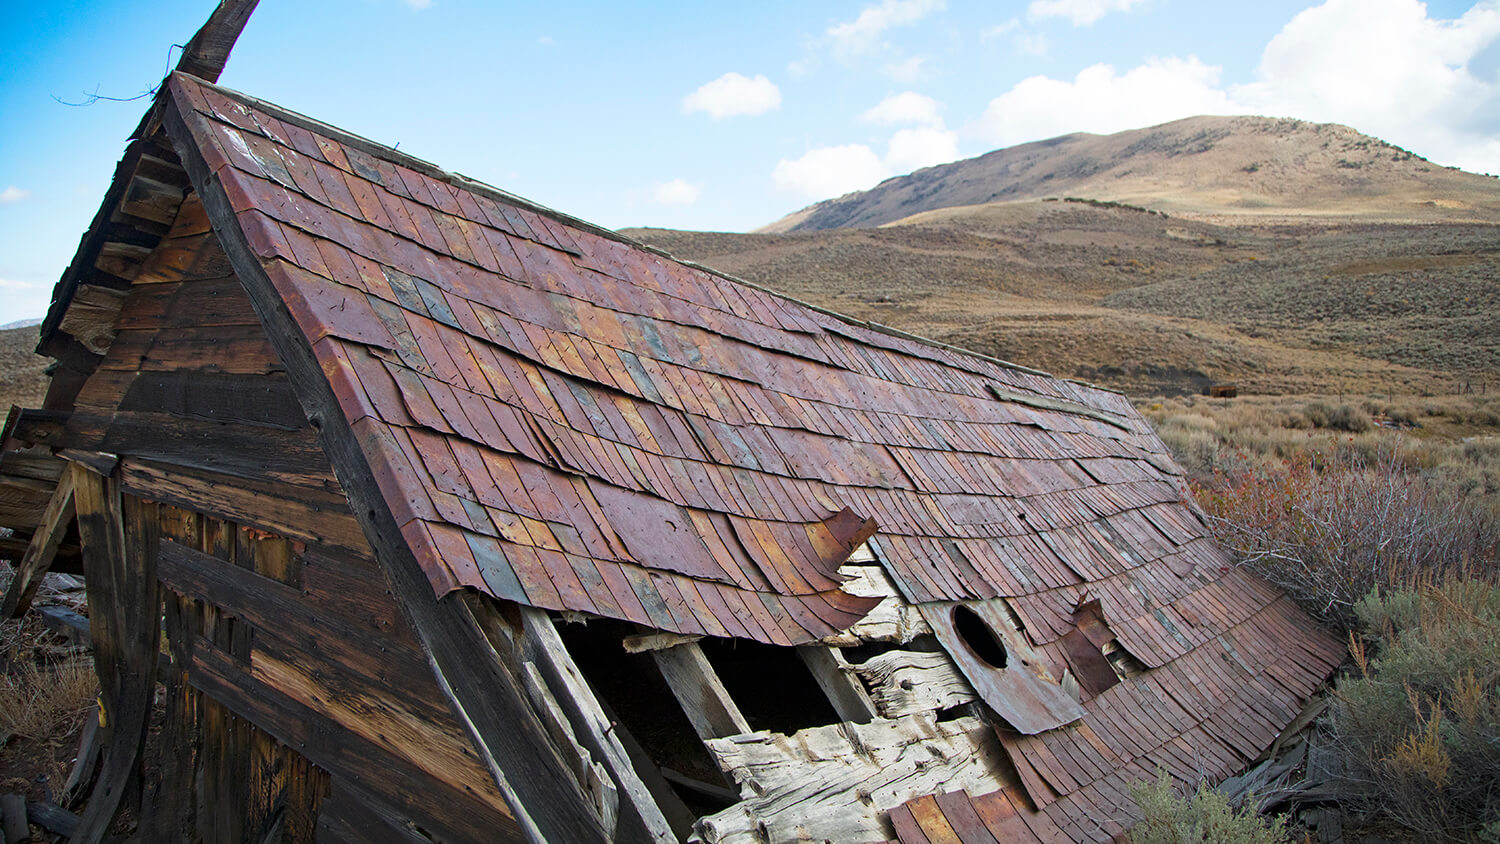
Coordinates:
column 1340, row 417
column 1204, row 816
column 1417, row 733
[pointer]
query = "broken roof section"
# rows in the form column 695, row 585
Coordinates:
column 539, row 398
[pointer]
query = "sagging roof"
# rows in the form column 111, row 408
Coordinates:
column 538, row 399
column 557, row 416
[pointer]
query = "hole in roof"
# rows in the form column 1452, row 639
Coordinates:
column 979, row 638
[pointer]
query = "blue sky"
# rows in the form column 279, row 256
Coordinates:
column 724, row 116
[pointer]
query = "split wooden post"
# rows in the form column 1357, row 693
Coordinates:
column 43, row 547
column 844, row 690
column 119, row 535
column 698, row 689
column 545, row 648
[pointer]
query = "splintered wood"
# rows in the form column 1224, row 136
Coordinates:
column 834, row 783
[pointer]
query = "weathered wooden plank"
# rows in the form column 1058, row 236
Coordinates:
column 835, row 677
column 544, row 647
column 173, row 806
column 207, row 52
column 313, row 515
column 444, row 811
column 241, row 450
column 280, row 615
column 349, row 816
column 506, row 734
column 84, row 761
column 834, row 783
column 261, row 400
column 119, row 535
column 33, row 566
column 307, row 786
column 266, row 787
column 699, row 691
column 905, row 682
column 354, row 590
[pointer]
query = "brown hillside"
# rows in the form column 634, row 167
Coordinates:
column 1150, row 304
column 22, row 378
column 1204, row 167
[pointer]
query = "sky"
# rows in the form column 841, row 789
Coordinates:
column 722, row 116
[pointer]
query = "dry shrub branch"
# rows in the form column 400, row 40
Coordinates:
column 1329, row 525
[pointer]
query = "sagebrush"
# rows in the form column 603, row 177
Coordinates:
column 1417, row 732
column 1202, row 816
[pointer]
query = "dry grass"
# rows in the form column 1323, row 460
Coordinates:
column 1149, row 305
column 39, row 701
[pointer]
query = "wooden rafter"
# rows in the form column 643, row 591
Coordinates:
column 43, row 548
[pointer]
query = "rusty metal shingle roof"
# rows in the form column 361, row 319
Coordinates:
column 560, row 417
column 540, row 400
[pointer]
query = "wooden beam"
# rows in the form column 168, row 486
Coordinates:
column 38, row 558
column 507, row 736
column 698, row 689
column 656, row 641
column 119, row 536
column 836, row 679
column 544, row 647
column 208, row 51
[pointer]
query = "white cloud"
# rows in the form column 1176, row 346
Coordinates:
column 905, row 108
column 1382, row 66
column 830, row 171
column 1387, row 69
column 419, row 5
column 1080, row 12
column 677, row 192
column 862, row 34
column 907, row 70
column 12, row 194
column 545, row 40
column 912, row 149
column 999, row 29
column 733, row 94
column 1100, row 100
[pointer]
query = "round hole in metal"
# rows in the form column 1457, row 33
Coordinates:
column 981, row 640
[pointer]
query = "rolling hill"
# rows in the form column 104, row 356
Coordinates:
column 1285, row 256
column 1201, row 166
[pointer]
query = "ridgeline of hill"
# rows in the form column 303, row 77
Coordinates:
column 1200, row 166
column 1285, row 256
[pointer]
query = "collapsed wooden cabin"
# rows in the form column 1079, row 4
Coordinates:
column 466, row 520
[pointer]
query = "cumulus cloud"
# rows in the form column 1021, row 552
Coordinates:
column 1101, row 100
column 923, row 146
column 12, row 194
column 904, row 108
column 677, row 192
column 1382, row 66
column 863, row 34
column 1080, row 12
column 733, row 94
column 829, row 171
